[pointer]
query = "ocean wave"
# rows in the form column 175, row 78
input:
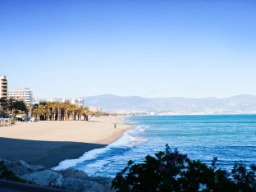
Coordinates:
column 124, row 143
column 137, row 140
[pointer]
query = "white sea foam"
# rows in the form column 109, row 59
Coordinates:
column 137, row 140
column 142, row 130
column 127, row 140
column 86, row 156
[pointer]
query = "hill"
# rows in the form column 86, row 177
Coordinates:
column 174, row 105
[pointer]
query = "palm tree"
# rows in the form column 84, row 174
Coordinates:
column 73, row 109
column 35, row 112
column 86, row 113
column 58, row 107
column 66, row 106
column 39, row 112
column 60, row 111
column 47, row 112
column 80, row 111
column 50, row 111
column 66, row 112
column 54, row 107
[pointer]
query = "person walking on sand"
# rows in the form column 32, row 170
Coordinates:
column 115, row 126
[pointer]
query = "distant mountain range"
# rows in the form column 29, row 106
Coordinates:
column 174, row 105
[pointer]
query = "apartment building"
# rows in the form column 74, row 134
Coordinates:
column 78, row 102
column 3, row 87
column 21, row 94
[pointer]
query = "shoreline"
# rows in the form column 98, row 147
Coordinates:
column 48, row 143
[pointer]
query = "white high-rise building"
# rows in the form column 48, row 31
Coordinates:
column 3, row 87
column 78, row 102
column 21, row 94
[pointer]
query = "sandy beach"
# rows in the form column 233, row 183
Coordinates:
column 49, row 142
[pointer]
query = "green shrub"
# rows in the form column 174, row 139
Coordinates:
column 172, row 171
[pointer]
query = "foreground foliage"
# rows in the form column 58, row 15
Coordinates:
column 172, row 171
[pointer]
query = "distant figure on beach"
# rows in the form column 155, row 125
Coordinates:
column 115, row 126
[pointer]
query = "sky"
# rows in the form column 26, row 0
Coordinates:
column 147, row 48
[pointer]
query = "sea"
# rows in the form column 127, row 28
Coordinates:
column 230, row 138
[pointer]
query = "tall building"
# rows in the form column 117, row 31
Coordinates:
column 3, row 87
column 78, row 102
column 21, row 94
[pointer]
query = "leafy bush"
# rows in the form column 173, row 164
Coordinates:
column 172, row 171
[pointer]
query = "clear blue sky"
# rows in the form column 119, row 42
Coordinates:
column 148, row 48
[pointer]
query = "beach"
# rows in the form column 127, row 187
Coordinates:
column 49, row 142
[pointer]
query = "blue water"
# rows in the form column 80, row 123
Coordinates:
column 229, row 137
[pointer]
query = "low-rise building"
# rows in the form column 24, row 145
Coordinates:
column 21, row 94
column 52, row 100
column 78, row 102
column 65, row 100
column 3, row 87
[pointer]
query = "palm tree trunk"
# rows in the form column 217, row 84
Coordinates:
column 66, row 115
column 58, row 117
